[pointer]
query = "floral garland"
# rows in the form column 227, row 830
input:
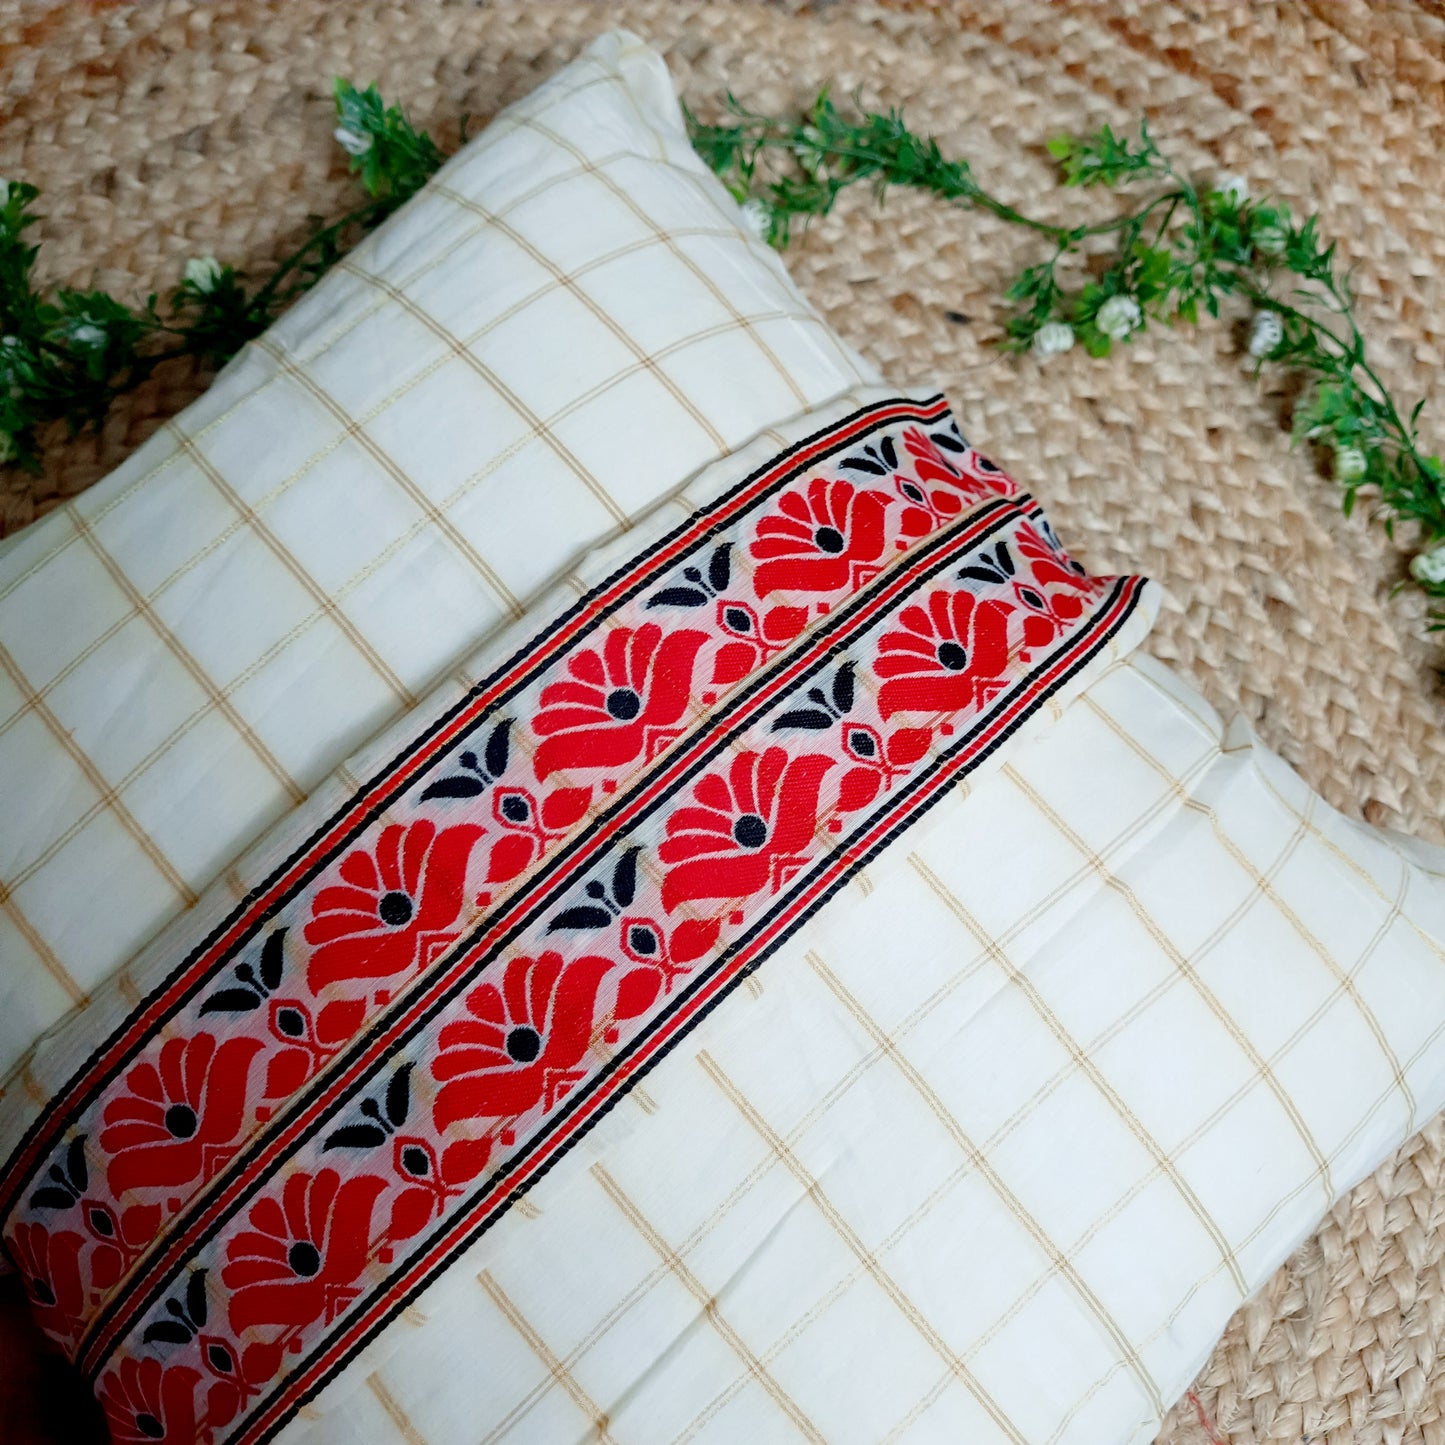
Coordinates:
column 68, row 356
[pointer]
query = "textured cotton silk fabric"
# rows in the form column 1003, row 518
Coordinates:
column 562, row 326
column 992, row 1148
column 989, row 1150
column 516, row 992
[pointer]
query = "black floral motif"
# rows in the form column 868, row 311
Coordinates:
column 952, row 440
column 607, row 903
column 253, row 985
column 877, row 460
column 69, row 1180
column 187, row 1314
column 994, row 565
column 827, row 707
column 695, row 588
column 476, row 773
column 380, row 1119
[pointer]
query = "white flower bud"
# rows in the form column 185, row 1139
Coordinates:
column 1266, row 332
column 1429, row 567
column 203, row 273
column 1118, row 316
column 1233, row 188
column 1350, row 464
column 1052, row 338
column 758, row 217
column 87, row 333
column 1271, row 240
column 8, row 448
column 352, row 142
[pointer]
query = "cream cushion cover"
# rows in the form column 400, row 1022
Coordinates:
column 569, row 320
column 994, row 1146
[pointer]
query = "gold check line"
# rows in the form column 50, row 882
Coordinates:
column 850, row 1238
column 677, row 1266
column 543, row 1351
column 96, row 779
column 198, row 674
column 540, row 430
column 1201, row 1129
column 827, row 1300
column 1141, row 1184
column 405, row 1428
column 619, row 332
column 49, row 959
column 1047, row 1088
column 698, row 1234
column 1167, row 1324
column 1036, row 1001
column 288, row 559
column 1325, row 841
column 1185, row 969
column 1346, row 978
column 983, row 1166
column 625, row 198
column 357, row 430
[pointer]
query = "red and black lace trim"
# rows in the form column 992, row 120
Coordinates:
column 382, row 1047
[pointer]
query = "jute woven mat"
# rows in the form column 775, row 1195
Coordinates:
column 170, row 128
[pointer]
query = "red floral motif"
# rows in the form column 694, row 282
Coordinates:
column 235, row 1381
column 394, row 908
column 975, row 476
column 147, row 1404
column 1050, row 563
column 302, row 1256
column 1053, row 598
column 523, row 1042
column 824, row 537
column 308, row 1042
column 179, row 1118
column 49, row 1266
column 663, row 957
column 746, row 831
column 117, row 1242
column 757, row 637
column 529, row 829
column 621, row 702
column 946, row 655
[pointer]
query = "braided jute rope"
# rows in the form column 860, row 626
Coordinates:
column 170, row 128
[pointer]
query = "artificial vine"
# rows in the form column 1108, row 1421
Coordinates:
column 1182, row 249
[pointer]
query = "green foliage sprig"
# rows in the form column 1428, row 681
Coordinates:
column 1184, row 248
column 66, row 356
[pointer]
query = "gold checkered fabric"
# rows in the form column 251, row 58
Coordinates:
column 1166, row 455
column 570, row 319
column 992, row 1149
column 994, row 1145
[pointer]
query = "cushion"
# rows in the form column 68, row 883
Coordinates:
column 483, row 390
column 921, row 1016
column 993, row 1148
